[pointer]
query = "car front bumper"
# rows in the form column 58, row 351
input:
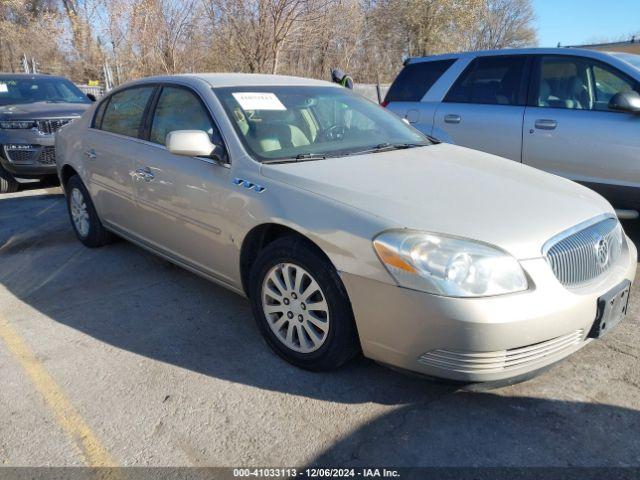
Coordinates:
column 480, row 339
column 26, row 154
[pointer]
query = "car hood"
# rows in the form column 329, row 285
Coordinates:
column 37, row 110
column 453, row 190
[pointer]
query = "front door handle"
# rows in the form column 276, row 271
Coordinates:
column 452, row 118
column 91, row 154
column 143, row 175
column 546, row 124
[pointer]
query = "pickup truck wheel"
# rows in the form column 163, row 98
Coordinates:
column 301, row 306
column 8, row 184
column 84, row 218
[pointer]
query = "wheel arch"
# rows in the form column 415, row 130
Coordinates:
column 258, row 238
column 66, row 173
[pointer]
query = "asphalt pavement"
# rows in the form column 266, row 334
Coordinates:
column 113, row 356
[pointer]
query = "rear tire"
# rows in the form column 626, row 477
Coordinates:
column 301, row 306
column 84, row 218
column 8, row 184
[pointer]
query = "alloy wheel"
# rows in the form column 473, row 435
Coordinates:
column 295, row 307
column 79, row 212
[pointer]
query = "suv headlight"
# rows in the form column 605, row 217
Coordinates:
column 448, row 266
column 17, row 124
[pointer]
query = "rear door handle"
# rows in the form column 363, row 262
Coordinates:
column 546, row 124
column 452, row 118
column 91, row 154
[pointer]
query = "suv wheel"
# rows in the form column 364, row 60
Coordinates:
column 301, row 306
column 8, row 184
column 84, row 218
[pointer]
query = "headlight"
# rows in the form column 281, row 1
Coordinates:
column 448, row 266
column 17, row 124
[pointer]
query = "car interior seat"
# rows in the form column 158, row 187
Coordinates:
column 509, row 88
column 485, row 91
column 275, row 130
column 579, row 94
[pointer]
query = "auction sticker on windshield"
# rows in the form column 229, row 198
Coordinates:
column 258, row 101
column 3, row 88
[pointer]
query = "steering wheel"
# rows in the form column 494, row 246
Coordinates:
column 334, row 132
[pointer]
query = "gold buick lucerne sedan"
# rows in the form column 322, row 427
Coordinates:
column 347, row 229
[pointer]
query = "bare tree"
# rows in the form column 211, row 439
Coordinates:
column 258, row 30
column 367, row 38
column 505, row 23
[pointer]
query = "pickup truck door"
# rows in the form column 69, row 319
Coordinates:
column 484, row 109
column 570, row 131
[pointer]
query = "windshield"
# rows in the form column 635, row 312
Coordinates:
column 301, row 121
column 30, row 90
column 629, row 58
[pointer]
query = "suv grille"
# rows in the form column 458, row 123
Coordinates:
column 582, row 256
column 48, row 127
column 47, row 156
column 20, row 156
column 29, row 156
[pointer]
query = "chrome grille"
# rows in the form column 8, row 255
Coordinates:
column 47, row 156
column 581, row 256
column 48, row 127
column 501, row 360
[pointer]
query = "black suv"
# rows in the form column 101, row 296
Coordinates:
column 32, row 108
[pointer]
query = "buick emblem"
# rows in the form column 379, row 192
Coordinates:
column 602, row 252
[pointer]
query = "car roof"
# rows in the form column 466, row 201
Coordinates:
column 516, row 51
column 32, row 76
column 239, row 80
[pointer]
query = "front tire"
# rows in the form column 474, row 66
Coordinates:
column 83, row 215
column 8, row 183
column 301, row 306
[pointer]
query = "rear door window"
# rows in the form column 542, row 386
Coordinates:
column 125, row 111
column 491, row 81
column 415, row 80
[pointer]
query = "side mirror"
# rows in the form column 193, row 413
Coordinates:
column 192, row 143
column 91, row 97
column 625, row 102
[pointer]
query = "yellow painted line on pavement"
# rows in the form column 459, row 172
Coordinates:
column 66, row 415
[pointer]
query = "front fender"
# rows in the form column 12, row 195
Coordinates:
column 342, row 232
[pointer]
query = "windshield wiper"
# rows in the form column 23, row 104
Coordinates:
column 301, row 157
column 387, row 147
column 396, row 146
